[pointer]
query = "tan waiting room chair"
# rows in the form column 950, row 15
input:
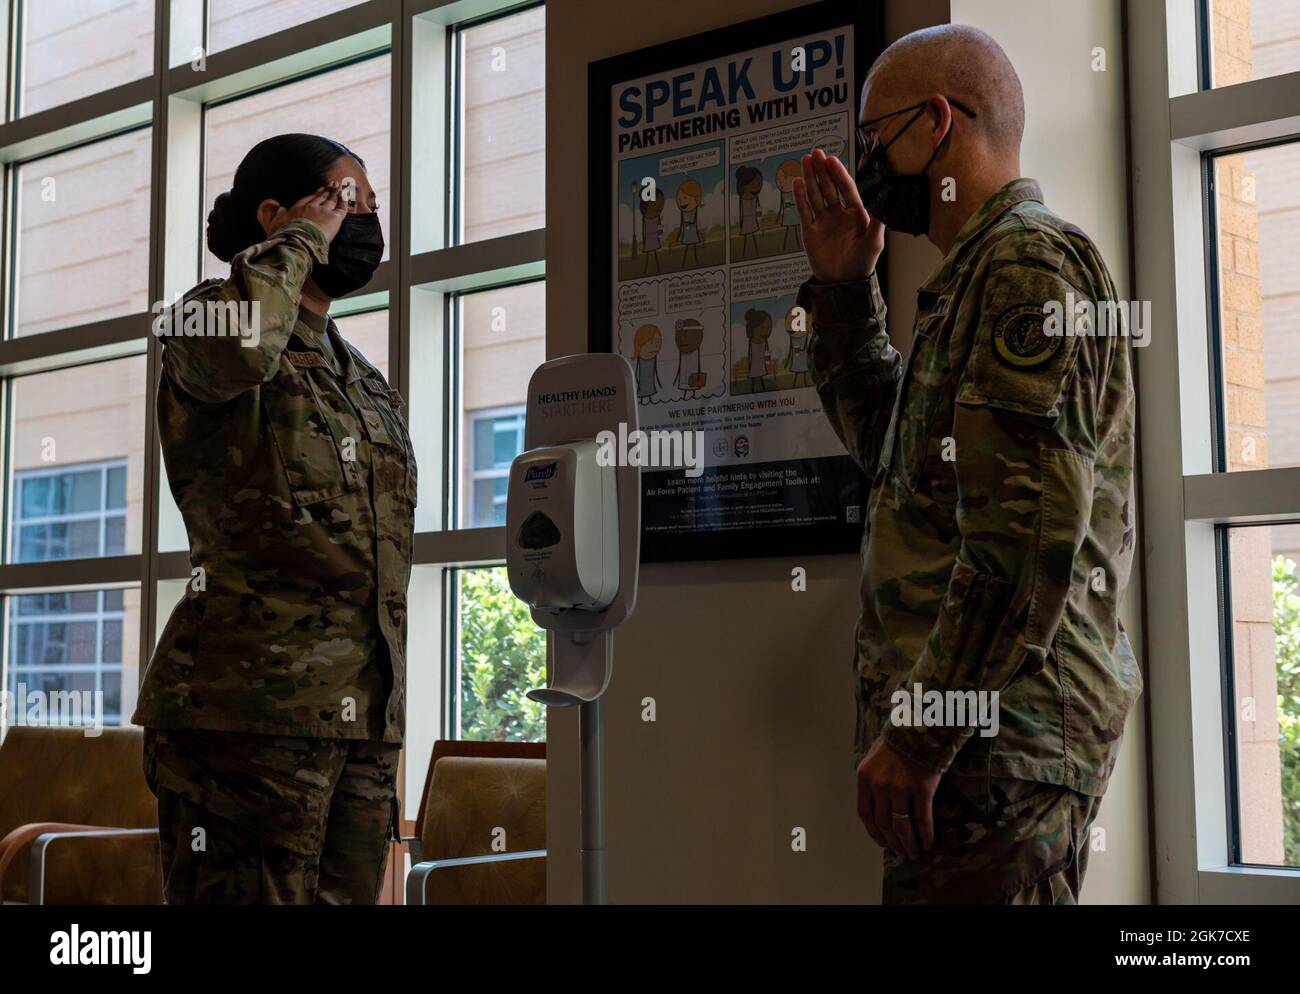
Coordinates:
column 78, row 823
column 474, row 792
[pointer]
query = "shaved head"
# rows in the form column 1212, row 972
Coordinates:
column 958, row 62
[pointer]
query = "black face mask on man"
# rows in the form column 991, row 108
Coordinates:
column 355, row 254
column 901, row 201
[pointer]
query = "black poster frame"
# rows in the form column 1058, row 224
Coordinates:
column 867, row 21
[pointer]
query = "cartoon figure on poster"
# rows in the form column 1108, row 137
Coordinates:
column 691, row 307
column 796, row 358
column 671, row 214
column 769, row 345
column 788, row 211
column 758, row 329
column 690, row 378
column 749, row 184
column 649, row 340
column 689, row 199
column 765, row 220
column 652, row 230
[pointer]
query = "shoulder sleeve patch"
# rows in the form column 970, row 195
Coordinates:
column 1022, row 357
column 171, row 317
column 1048, row 256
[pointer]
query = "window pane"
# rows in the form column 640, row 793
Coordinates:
column 349, row 105
column 72, row 656
column 489, row 502
column 77, row 466
column 83, row 234
column 369, row 333
column 72, row 50
column 1259, row 295
column 1253, row 39
column 503, row 339
column 503, row 126
column 1265, row 632
column 117, row 486
column 233, row 22
column 502, row 657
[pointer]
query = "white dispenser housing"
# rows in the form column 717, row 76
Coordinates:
column 562, row 528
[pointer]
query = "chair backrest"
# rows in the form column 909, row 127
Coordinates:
column 478, row 794
column 63, row 775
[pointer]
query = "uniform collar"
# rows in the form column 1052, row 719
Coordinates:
column 322, row 334
column 1015, row 192
column 311, row 328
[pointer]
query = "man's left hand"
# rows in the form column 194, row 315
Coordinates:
column 895, row 798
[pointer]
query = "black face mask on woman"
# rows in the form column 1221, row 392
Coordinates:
column 354, row 256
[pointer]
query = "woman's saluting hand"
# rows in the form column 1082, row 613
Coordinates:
column 326, row 208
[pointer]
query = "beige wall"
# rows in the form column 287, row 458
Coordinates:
column 753, row 682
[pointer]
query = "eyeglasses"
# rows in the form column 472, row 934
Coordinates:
column 869, row 135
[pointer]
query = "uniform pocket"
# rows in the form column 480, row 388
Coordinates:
column 921, row 394
column 388, row 404
column 1067, row 481
column 304, row 438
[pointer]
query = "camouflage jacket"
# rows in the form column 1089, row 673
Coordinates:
column 293, row 469
column 1000, row 524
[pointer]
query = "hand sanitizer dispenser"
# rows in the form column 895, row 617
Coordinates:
column 562, row 528
column 573, row 544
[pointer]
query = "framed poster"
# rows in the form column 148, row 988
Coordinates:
column 695, row 260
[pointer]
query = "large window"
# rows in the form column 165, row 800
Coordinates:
column 74, row 49
column 83, row 235
column 502, row 340
column 1220, row 392
column 65, row 653
column 76, row 462
column 1251, row 39
column 1253, row 220
column 233, row 22
column 499, row 656
column 496, row 437
column 349, row 104
column 104, row 224
column 499, row 79
column 69, row 513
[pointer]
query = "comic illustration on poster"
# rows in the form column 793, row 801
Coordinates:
column 707, row 260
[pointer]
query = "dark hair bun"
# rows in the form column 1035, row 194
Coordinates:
column 284, row 169
column 226, row 236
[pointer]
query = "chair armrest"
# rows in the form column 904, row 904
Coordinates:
column 24, row 834
column 37, row 859
column 417, row 880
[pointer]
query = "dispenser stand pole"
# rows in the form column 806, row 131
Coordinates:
column 591, row 731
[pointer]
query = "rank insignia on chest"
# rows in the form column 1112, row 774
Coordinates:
column 305, row 360
column 1019, row 339
column 375, row 427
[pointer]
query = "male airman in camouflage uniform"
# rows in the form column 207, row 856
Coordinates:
column 292, row 465
column 1000, row 524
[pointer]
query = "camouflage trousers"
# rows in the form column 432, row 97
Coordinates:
column 998, row 841
column 264, row 819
